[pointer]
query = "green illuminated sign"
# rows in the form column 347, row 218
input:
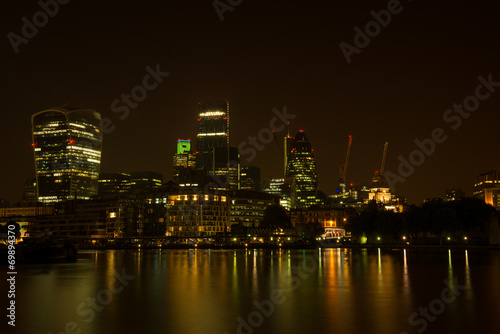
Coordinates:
column 183, row 145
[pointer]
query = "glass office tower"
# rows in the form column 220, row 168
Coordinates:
column 301, row 167
column 67, row 145
column 213, row 132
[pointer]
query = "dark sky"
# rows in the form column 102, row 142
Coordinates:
column 264, row 55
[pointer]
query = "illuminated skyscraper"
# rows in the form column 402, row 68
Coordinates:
column 214, row 155
column 213, row 132
column 67, row 145
column 184, row 161
column 301, row 167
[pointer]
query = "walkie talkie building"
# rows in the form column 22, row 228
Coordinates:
column 67, row 144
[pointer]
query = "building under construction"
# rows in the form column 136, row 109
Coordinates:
column 358, row 194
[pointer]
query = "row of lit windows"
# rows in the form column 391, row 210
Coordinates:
column 89, row 151
column 187, row 197
column 49, row 132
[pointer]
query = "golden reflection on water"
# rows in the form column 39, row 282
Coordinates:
column 468, row 284
column 180, row 291
column 379, row 267
column 406, row 277
column 450, row 271
column 255, row 281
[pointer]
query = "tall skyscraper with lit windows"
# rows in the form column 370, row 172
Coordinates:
column 213, row 132
column 184, row 161
column 301, row 168
column 67, row 144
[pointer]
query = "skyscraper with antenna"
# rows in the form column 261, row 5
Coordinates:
column 286, row 148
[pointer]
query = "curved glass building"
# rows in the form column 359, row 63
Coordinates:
column 67, row 144
column 301, row 168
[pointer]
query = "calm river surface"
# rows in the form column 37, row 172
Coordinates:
column 262, row 291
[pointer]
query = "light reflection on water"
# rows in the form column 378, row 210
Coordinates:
column 207, row 291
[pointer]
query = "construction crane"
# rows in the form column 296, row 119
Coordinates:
column 343, row 167
column 384, row 156
column 379, row 179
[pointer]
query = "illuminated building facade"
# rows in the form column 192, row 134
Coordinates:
column 247, row 207
column 301, row 168
column 67, row 145
column 282, row 188
column 184, row 162
column 145, row 181
column 27, row 211
column 379, row 195
column 183, row 213
column 487, row 188
column 118, row 184
column 80, row 220
column 250, row 178
column 383, row 195
column 332, row 219
column 197, row 215
column 121, row 218
column 114, row 184
column 213, row 132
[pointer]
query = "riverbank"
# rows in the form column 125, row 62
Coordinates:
column 291, row 246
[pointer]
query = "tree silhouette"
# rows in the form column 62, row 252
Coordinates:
column 275, row 217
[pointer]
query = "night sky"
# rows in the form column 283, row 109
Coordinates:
column 264, row 55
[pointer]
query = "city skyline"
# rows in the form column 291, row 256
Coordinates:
column 237, row 166
column 396, row 89
column 278, row 160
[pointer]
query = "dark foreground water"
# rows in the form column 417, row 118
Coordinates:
column 262, row 291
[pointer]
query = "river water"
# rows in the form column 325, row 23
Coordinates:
column 262, row 291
